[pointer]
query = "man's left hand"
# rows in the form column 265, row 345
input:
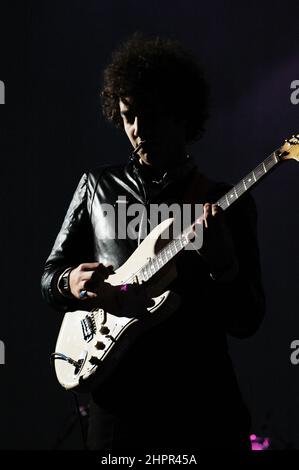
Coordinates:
column 218, row 247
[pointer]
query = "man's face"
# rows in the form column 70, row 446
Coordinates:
column 162, row 136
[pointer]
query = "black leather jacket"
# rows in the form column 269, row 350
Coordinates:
column 196, row 334
column 85, row 235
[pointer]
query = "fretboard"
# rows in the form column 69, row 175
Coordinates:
column 174, row 247
column 250, row 180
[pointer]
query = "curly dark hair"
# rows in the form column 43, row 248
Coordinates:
column 142, row 65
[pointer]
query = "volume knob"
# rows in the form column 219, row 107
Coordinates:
column 104, row 330
column 100, row 345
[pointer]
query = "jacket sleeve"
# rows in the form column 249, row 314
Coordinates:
column 73, row 245
column 242, row 301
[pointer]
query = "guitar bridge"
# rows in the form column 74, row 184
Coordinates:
column 88, row 325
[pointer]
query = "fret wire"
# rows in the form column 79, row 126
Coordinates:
column 170, row 247
column 154, row 267
column 150, row 267
column 145, row 273
column 222, row 203
column 268, row 165
column 181, row 243
column 148, row 270
column 260, row 168
column 259, row 172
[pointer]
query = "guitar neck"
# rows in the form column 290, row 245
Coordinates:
column 174, row 247
column 250, row 180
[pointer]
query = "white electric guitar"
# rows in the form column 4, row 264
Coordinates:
column 91, row 344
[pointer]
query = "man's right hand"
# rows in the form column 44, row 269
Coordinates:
column 89, row 277
column 126, row 300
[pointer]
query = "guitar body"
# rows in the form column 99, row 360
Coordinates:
column 97, row 340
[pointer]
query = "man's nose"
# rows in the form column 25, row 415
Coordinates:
column 136, row 127
column 141, row 127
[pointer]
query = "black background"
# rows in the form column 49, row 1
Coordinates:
column 51, row 59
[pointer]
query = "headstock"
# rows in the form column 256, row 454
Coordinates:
column 290, row 149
